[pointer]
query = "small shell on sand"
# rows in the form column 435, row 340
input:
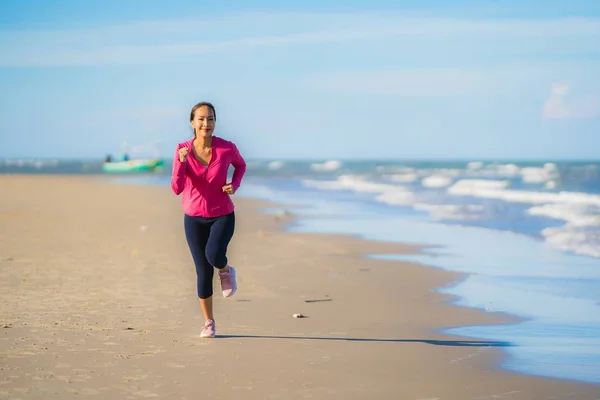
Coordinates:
column 262, row 233
column 298, row 316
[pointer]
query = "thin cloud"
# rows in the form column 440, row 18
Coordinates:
column 498, row 81
column 169, row 40
column 560, row 106
column 406, row 82
column 555, row 106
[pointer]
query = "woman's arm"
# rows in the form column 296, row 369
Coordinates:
column 178, row 174
column 240, row 168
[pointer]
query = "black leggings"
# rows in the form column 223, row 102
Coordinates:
column 208, row 239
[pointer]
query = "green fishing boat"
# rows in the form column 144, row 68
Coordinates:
column 124, row 164
column 133, row 166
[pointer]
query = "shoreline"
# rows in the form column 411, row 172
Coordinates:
column 348, row 346
column 453, row 278
column 507, row 272
column 513, row 361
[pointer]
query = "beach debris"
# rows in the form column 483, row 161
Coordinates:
column 262, row 233
column 317, row 300
column 298, row 316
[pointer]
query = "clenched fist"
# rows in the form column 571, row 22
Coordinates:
column 183, row 154
column 228, row 189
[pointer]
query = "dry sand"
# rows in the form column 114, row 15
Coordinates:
column 98, row 300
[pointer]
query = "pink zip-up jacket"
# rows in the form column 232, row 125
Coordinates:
column 200, row 186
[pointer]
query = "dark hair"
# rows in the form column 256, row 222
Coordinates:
column 202, row 104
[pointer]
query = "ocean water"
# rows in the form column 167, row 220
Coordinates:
column 528, row 234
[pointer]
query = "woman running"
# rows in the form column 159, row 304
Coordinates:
column 200, row 174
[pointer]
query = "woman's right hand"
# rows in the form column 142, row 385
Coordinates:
column 183, row 154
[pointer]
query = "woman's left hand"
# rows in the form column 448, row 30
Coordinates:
column 228, row 189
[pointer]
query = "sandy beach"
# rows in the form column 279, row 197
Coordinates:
column 98, row 300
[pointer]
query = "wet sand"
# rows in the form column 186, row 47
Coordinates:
column 97, row 295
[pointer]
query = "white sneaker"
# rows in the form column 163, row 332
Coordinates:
column 228, row 282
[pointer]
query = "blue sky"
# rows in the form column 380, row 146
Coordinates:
column 311, row 79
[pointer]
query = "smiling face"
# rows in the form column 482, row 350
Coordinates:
column 203, row 121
